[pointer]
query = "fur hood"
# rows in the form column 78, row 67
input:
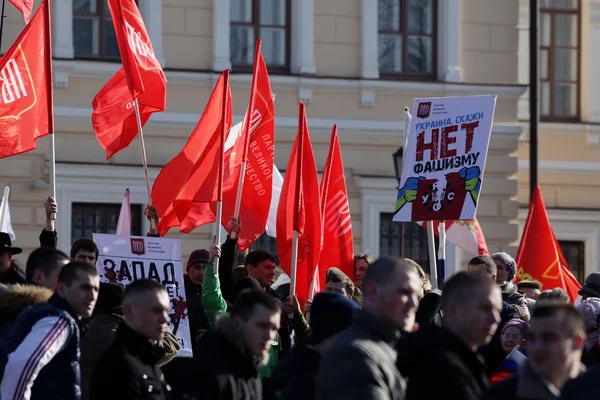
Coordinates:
column 227, row 327
column 16, row 298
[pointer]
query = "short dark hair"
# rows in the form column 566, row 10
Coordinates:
column 45, row 258
column 338, row 276
column 460, row 287
column 142, row 286
column 255, row 257
column 489, row 263
column 247, row 301
column 68, row 273
column 574, row 321
column 383, row 269
column 84, row 244
column 556, row 294
column 363, row 256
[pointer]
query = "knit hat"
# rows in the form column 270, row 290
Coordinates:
column 109, row 300
column 591, row 287
column 508, row 261
column 330, row 313
column 199, row 256
column 517, row 323
column 590, row 311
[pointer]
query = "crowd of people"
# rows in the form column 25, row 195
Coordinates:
column 380, row 334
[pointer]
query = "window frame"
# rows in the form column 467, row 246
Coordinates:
column 403, row 32
column 550, row 67
column 580, row 273
column 136, row 216
column 255, row 24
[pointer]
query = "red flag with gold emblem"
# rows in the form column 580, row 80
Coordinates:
column 539, row 256
column 26, row 100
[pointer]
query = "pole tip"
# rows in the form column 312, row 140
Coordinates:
column 406, row 109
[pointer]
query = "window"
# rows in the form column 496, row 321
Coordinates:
column 268, row 20
column 89, row 218
column 559, row 59
column 414, row 242
column 407, row 44
column 93, row 31
column 268, row 243
column 574, row 253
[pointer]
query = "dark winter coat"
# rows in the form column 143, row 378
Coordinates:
column 585, row 387
column 361, row 363
column 13, row 276
column 197, row 316
column 439, row 365
column 15, row 298
column 304, row 367
column 513, row 297
column 430, row 310
column 128, row 370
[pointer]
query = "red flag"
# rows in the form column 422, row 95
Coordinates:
column 300, row 210
column 539, row 256
column 186, row 187
column 258, row 185
column 26, row 105
column 466, row 234
column 338, row 249
column 25, row 6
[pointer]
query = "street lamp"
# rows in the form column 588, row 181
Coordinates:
column 398, row 159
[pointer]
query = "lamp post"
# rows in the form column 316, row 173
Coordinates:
column 398, row 162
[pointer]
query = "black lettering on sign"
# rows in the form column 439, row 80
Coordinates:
column 124, row 272
column 153, row 273
column 138, row 270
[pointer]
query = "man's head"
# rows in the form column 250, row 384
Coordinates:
column 425, row 282
column 330, row 314
column 85, row 250
column 338, row 282
column 260, row 265
column 78, row 284
column 555, row 295
column 531, row 289
column 484, row 265
column 257, row 315
column 472, row 303
column 44, row 265
column 6, row 252
column 146, row 308
column 390, row 289
column 591, row 286
column 196, row 264
column 505, row 265
column 361, row 265
column 555, row 341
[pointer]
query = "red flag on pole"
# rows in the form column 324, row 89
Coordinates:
column 539, row 256
column 26, row 100
column 185, row 191
column 338, row 249
column 258, row 184
column 25, row 6
column 300, row 210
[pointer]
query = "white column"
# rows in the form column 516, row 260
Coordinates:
column 448, row 46
column 62, row 29
column 151, row 11
column 370, row 54
column 590, row 82
column 221, row 22
column 303, row 37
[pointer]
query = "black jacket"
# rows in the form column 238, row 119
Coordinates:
column 304, row 367
column 222, row 368
column 196, row 313
column 13, row 276
column 438, row 365
column 585, row 387
column 128, row 370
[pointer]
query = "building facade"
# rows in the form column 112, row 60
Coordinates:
column 356, row 63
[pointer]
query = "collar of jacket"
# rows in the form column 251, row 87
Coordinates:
column 474, row 360
column 135, row 343
column 377, row 327
column 62, row 304
column 510, row 290
column 531, row 385
column 191, row 285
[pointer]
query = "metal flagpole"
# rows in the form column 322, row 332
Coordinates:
column 221, row 162
column 138, row 118
column 533, row 95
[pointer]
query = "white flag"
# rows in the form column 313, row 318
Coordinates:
column 124, row 224
column 5, row 224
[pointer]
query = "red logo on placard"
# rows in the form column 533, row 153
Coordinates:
column 138, row 246
column 424, row 109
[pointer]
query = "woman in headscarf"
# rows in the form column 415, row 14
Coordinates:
column 590, row 311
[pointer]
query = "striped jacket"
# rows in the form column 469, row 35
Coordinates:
column 39, row 354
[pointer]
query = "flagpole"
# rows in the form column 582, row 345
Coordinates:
column 294, row 266
column 432, row 260
column 313, row 283
column 50, row 80
column 2, row 24
column 442, row 254
column 221, row 162
column 138, row 118
column 238, row 199
column 52, row 170
column 3, row 205
column 407, row 122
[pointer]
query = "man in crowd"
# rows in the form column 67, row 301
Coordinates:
column 85, row 250
column 227, row 359
column 506, row 268
column 442, row 362
column 530, row 288
column 591, row 286
column 39, row 351
column 193, row 290
column 338, row 282
column 44, row 265
column 9, row 272
column 555, row 343
column 361, row 265
column 361, row 363
column 128, row 369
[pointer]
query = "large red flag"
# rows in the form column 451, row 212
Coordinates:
column 26, row 105
column 184, row 190
column 338, row 249
column 300, row 210
column 539, row 256
column 258, row 185
column 25, row 6
column 141, row 78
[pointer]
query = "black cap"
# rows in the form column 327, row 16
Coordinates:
column 6, row 244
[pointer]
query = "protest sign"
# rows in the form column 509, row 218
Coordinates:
column 445, row 158
column 124, row 259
